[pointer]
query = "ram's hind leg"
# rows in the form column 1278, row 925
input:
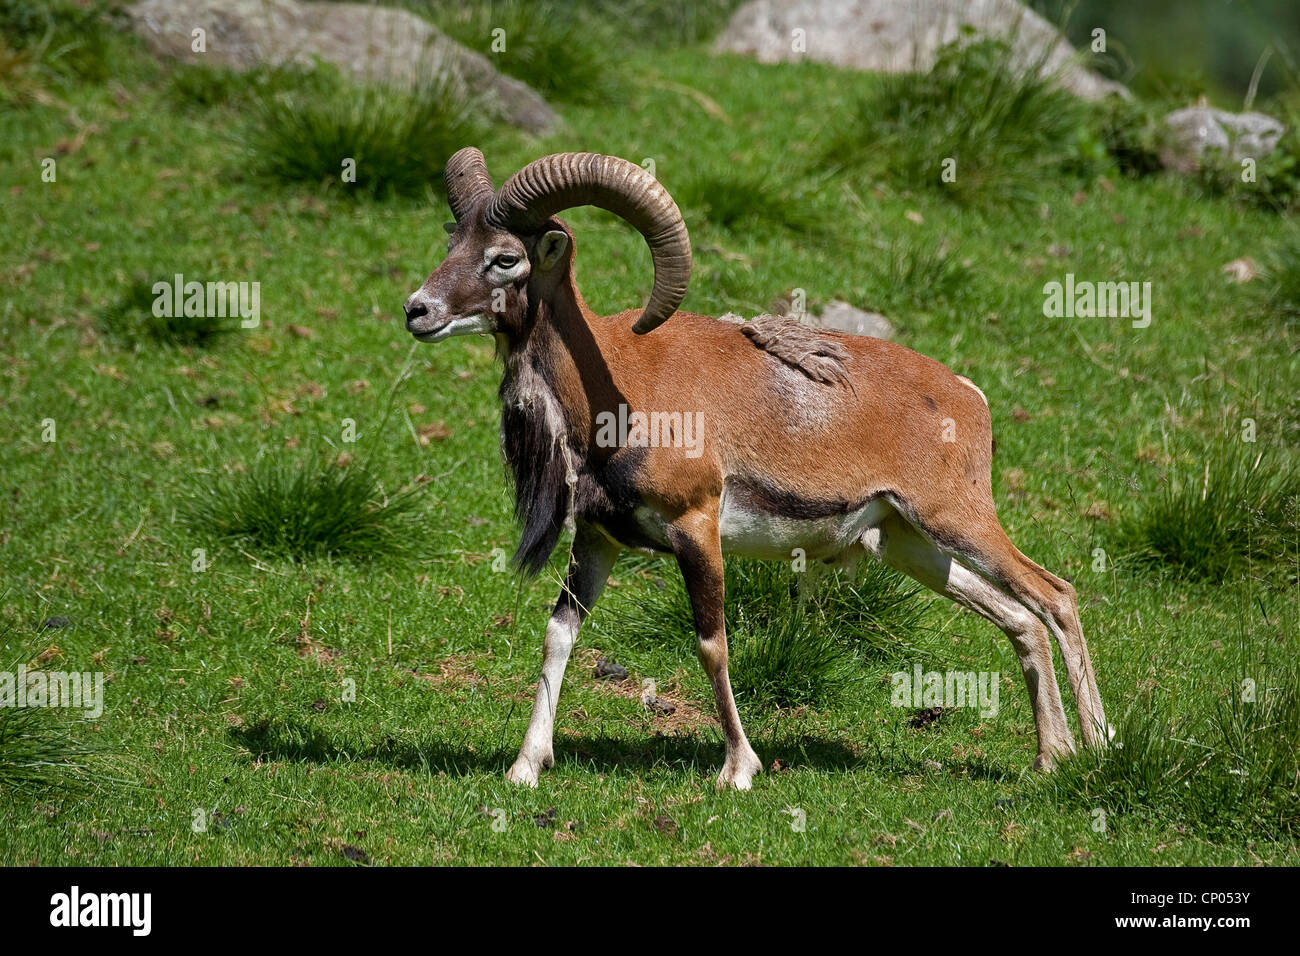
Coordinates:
column 593, row 559
column 983, row 546
column 1053, row 601
column 902, row 546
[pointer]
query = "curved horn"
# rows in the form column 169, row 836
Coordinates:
column 467, row 181
column 563, row 180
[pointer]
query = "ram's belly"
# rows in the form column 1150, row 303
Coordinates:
column 755, row 522
column 766, row 533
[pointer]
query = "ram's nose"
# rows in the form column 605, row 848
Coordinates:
column 416, row 307
column 426, row 315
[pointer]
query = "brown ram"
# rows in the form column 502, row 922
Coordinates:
column 770, row 437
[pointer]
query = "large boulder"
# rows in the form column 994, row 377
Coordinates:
column 1201, row 128
column 900, row 36
column 374, row 44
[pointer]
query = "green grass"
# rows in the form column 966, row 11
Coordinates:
column 1220, row 517
column 330, row 702
column 131, row 320
column 1230, row 764
column 796, row 637
column 976, row 127
column 67, row 40
column 664, row 23
column 1133, row 132
column 38, row 750
column 373, row 140
column 202, row 86
column 281, row 507
column 36, row 753
column 560, row 49
column 919, row 273
column 1281, row 279
column 736, row 199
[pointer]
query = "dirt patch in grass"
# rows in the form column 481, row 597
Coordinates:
column 457, row 670
column 686, row 717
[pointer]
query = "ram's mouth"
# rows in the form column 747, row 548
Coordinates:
column 432, row 335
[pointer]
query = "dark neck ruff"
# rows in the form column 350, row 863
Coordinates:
column 534, row 436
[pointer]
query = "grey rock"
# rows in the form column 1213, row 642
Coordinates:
column 372, row 43
column 841, row 317
column 1201, row 128
column 899, row 36
column 838, row 316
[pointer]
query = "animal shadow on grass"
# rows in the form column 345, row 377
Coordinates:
column 701, row 753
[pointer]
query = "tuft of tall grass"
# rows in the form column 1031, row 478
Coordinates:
column 994, row 124
column 560, row 49
column 738, row 200
column 367, row 140
column 794, row 641
column 878, row 613
column 36, row 749
column 926, row 269
column 1280, row 272
column 788, row 662
column 1133, row 134
column 666, row 22
column 914, row 272
column 206, row 86
column 807, row 641
column 284, row 508
column 20, row 82
column 130, row 321
column 1218, row 518
column 65, row 40
column 1232, row 767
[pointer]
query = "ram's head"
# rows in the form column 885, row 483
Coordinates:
column 508, row 252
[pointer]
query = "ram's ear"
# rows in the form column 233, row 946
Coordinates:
column 449, row 227
column 551, row 249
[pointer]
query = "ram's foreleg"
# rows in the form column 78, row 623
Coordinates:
column 593, row 558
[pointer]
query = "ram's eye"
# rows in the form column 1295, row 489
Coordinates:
column 506, row 262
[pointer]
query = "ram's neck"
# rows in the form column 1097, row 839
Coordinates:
column 546, row 417
column 557, row 358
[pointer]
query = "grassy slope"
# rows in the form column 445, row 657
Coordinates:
column 210, row 703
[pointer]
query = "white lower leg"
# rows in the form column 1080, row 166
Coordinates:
column 537, row 753
column 740, row 763
column 589, row 567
